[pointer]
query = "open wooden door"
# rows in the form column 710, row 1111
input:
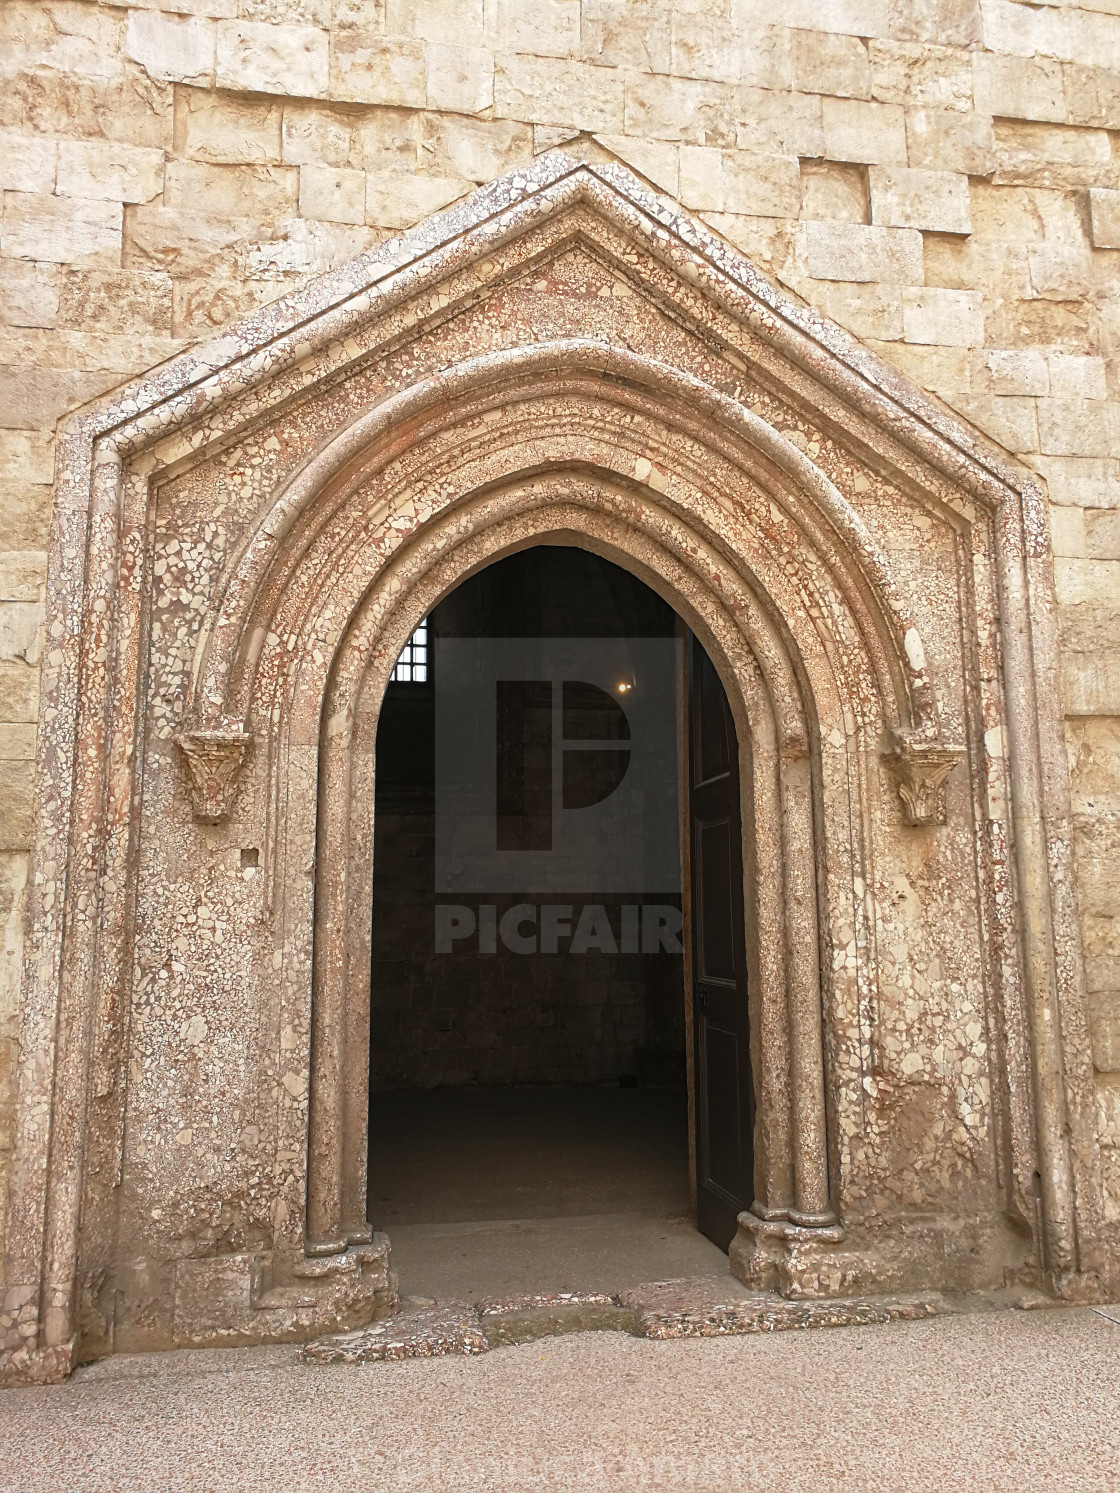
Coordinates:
column 723, row 1090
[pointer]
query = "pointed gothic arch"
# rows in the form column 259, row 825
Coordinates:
column 242, row 541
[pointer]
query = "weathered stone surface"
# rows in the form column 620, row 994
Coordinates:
column 231, row 191
column 866, row 132
column 823, row 62
column 936, row 201
column 953, row 318
column 850, row 251
column 223, row 130
column 431, row 1332
column 337, row 196
column 1042, row 155
column 108, row 169
column 945, row 140
column 459, row 78
column 371, row 69
column 832, row 192
column 61, row 230
column 263, row 58
column 910, row 73
column 28, row 293
column 172, row 48
column 1104, row 207
column 27, row 163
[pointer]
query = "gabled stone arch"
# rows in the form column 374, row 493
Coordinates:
column 766, row 478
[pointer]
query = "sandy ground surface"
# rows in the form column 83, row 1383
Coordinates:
column 999, row 1401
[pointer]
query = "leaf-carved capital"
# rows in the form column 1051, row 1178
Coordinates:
column 920, row 769
column 213, row 760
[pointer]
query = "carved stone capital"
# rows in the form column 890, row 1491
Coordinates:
column 920, row 769
column 213, row 759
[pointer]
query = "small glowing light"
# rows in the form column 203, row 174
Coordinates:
column 625, row 688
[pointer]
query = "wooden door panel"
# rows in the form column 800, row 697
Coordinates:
column 723, row 1095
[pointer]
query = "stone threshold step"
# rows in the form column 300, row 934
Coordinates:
column 699, row 1307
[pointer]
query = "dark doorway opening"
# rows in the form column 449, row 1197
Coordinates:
column 529, row 1090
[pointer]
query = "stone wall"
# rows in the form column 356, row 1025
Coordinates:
column 940, row 176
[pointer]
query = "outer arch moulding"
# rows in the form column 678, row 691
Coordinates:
column 89, row 551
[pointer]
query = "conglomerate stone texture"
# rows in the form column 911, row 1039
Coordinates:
column 939, row 176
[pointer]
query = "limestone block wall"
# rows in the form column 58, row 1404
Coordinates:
column 940, row 176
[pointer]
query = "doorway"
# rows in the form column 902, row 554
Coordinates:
column 548, row 1109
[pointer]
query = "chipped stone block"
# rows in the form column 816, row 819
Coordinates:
column 431, row 1332
column 174, row 49
column 936, row 201
column 83, row 41
column 16, row 797
column 943, row 140
column 332, row 193
column 183, row 241
column 952, row 23
column 1091, row 482
column 546, row 90
column 855, row 17
column 657, row 160
column 548, row 28
column 1104, row 212
column 458, row 23
column 224, row 130
column 108, row 169
column 866, row 310
column 1046, row 155
column 765, row 186
column 868, row 132
column 965, row 264
column 61, row 230
column 459, row 78
column 1067, row 531
column 479, row 150
column 1009, row 421
column 19, row 693
column 35, row 398
column 914, row 73
column 783, row 124
column 260, row 58
column 27, row 162
column 1102, row 542
column 735, row 182
column 1019, row 87
column 1014, row 372
column 320, row 135
column 715, row 48
column 394, row 200
column 231, row 191
column 698, row 112
column 1027, row 216
column 1079, row 427
column 28, row 293
column 950, row 318
column 1092, row 96
column 853, row 251
column 835, row 191
column 367, row 68
column 1063, row 272
column 627, row 33
column 823, row 62
column 115, row 301
column 1075, row 377
column 944, row 371
column 27, row 456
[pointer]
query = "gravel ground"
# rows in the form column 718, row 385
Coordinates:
column 997, row 1401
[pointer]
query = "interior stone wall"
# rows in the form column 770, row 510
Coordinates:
column 940, row 176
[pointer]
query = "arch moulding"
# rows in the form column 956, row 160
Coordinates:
column 243, row 540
